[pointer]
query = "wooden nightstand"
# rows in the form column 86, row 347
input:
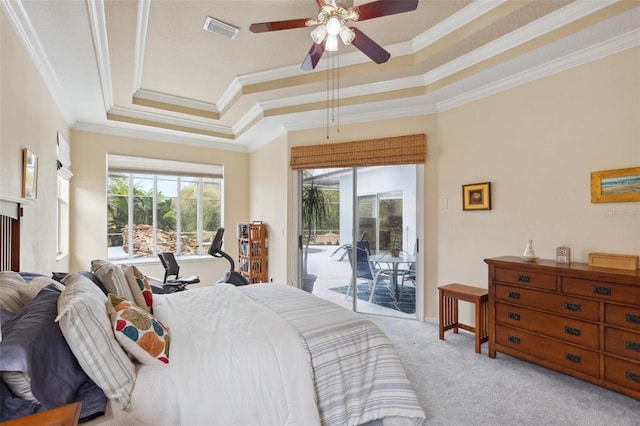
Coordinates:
column 66, row 415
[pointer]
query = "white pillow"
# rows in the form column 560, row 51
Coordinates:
column 10, row 285
column 85, row 324
column 112, row 277
column 30, row 290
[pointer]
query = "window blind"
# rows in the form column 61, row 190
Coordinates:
column 410, row 149
column 129, row 164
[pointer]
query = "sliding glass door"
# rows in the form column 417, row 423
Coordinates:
column 363, row 242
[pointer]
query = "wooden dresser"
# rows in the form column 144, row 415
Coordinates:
column 579, row 320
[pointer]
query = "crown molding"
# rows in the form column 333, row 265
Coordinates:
column 98, row 23
column 581, row 57
column 160, row 135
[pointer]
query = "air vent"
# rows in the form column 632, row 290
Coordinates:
column 220, row 28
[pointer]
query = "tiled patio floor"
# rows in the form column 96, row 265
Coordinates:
column 332, row 272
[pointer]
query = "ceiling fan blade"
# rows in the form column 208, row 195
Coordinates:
column 323, row 2
column 263, row 27
column 369, row 47
column 380, row 8
column 313, row 57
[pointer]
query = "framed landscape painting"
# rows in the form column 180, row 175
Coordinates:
column 613, row 186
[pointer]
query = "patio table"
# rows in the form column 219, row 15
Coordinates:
column 394, row 263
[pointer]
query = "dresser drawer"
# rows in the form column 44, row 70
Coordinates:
column 568, row 329
column 623, row 373
column 623, row 316
column 629, row 294
column 559, row 303
column 562, row 354
column 526, row 278
column 623, row 343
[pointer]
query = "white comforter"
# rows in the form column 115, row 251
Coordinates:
column 272, row 385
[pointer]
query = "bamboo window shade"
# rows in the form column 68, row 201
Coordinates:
column 410, row 149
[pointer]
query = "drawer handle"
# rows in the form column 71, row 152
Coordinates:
column 523, row 278
column 513, row 339
column 632, row 318
column 573, row 358
column 513, row 294
column 632, row 376
column 513, row 316
column 575, row 307
column 573, row 331
column 634, row 346
column 605, row 291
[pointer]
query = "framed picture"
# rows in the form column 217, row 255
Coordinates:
column 476, row 196
column 29, row 174
column 614, row 186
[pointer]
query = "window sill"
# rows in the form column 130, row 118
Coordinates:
column 151, row 261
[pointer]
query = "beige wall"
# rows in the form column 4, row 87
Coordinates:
column 89, row 203
column 29, row 118
column 268, row 200
column 537, row 144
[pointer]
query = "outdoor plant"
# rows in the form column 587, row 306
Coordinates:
column 314, row 212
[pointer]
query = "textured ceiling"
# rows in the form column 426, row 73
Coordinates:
column 148, row 69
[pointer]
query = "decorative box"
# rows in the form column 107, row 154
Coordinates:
column 617, row 261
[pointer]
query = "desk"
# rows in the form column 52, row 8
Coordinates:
column 395, row 263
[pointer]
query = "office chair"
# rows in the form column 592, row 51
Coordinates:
column 172, row 269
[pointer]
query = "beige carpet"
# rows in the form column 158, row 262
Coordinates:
column 456, row 386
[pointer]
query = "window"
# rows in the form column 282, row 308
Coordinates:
column 62, row 244
column 150, row 212
column 64, row 175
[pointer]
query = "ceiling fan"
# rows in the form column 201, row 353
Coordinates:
column 331, row 23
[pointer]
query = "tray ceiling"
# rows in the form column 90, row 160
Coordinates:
column 148, row 69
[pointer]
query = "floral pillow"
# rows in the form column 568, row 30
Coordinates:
column 140, row 287
column 139, row 333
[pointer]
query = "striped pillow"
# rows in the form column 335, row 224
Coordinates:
column 112, row 277
column 85, row 324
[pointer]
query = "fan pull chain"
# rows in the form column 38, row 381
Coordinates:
column 338, row 95
column 328, row 97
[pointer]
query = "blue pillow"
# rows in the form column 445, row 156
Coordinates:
column 33, row 344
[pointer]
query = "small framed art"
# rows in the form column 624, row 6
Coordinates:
column 614, row 186
column 29, row 174
column 476, row 196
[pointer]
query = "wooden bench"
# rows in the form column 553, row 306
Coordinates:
column 449, row 295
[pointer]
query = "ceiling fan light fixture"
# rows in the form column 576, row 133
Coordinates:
column 347, row 35
column 319, row 33
column 220, row 28
column 333, row 26
column 332, row 43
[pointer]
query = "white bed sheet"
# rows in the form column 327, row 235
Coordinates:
column 217, row 375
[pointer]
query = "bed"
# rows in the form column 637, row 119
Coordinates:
column 259, row 354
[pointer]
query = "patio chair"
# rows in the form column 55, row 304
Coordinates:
column 347, row 246
column 409, row 277
column 365, row 270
